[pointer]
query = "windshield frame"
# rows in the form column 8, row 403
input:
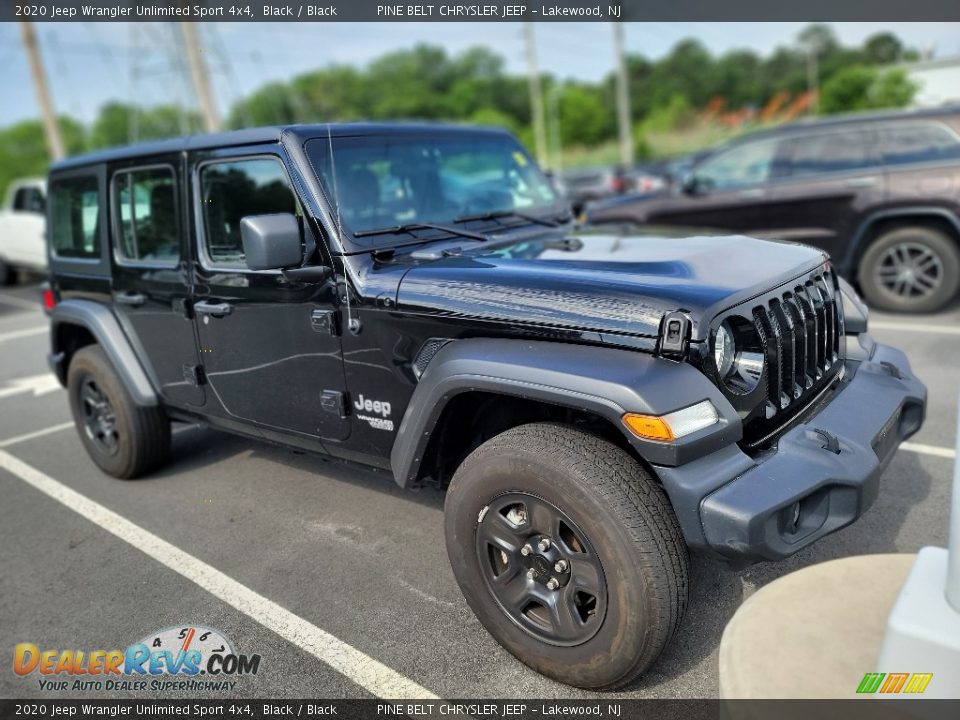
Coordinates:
column 369, row 242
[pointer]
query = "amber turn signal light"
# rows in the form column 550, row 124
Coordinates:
column 648, row 426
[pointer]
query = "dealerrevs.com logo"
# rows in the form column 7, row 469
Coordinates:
column 187, row 658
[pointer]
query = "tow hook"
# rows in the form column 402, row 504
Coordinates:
column 832, row 444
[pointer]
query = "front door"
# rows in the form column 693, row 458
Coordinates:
column 151, row 276
column 730, row 191
column 268, row 353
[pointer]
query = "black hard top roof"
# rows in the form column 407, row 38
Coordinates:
column 258, row 136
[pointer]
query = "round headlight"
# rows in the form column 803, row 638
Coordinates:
column 724, row 350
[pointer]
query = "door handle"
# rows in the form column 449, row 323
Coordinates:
column 216, row 309
column 862, row 182
column 753, row 194
column 133, row 299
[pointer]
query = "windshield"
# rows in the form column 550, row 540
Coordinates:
column 401, row 180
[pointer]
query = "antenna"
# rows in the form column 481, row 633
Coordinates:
column 353, row 324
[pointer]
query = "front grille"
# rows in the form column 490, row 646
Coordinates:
column 800, row 329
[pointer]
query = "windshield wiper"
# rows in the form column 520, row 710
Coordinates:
column 410, row 227
column 549, row 222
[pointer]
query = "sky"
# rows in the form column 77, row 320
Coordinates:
column 89, row 64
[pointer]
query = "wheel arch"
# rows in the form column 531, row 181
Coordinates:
column 77, row 323
column 529, row 381
column 878, row 223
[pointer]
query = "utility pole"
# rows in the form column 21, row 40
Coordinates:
column 623, row 99
column 201, row 81
column 813, row 79
column 536, row 96
column 50, row 127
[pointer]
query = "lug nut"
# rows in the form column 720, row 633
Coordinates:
column 552, row 584
column 531, row 573
column 561, row 566
column 526, row 550
column 544, row 545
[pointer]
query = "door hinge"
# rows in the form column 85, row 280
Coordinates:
column 194, row 375
column 674, row 334
column 326, row 322
column 334, row 402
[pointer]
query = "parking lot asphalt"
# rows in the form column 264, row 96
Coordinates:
column 337, row 578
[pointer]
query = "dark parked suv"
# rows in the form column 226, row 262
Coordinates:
column 879, row 193
column 414, row 298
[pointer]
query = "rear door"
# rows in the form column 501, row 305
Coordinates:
column 269, row 350
column 731, row 191
column 828, row 182
column 151, row 275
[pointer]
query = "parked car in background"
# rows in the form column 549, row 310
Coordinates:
column 584, row 185
column 880, row 193
column 22, row 229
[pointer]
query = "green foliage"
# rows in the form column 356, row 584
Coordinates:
column 859, row 87
column 473, row 86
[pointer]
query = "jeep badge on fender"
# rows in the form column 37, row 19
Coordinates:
column 418, row 298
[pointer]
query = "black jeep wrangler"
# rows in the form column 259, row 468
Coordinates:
column 415, row 298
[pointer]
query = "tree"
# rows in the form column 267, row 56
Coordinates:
column 23, row 148
column 863, row 88
column 883, row 48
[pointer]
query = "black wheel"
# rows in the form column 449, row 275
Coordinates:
column 568, row 553
column 7, row 274
column 123, row 439
column 911, row 269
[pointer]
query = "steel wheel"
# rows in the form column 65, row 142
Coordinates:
column 99, row 419
column 910, row 270
column 541, row 569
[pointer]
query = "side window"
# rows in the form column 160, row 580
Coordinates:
column 75, row 216
column 908, row 144
column 747, row 164
column 145, row 211
column 29, row 199
column 830, row 153
column 229, row 191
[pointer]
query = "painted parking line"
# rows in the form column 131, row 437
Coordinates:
column 35, row 434
column 914, row 327
column 929, row 450
column 25, row 332
column 358, row 667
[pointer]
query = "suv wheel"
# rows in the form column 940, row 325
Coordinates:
column 7, row 274
column 568, row 553
column 123, row 439
column 912, row 269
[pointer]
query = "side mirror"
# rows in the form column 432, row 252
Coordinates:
column 690, row 184
column 272, row 242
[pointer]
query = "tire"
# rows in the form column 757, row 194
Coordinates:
column 8, row 274
column 611, row 512
column 930, row 255
column 122, row 438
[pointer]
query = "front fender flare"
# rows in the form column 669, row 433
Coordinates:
column 105, row 328
column 607, row 382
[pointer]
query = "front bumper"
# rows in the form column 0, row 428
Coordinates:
column 822, row 475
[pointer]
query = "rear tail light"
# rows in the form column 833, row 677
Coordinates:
column 618, row 184
column 49, row 298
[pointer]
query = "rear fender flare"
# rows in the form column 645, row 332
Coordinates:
column 105, row 328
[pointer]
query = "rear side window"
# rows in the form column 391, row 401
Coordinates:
column 229, row 191
column 830, row 153
column 146, row 215
column 75, row 217
column 908, row 144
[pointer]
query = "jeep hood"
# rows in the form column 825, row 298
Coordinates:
column 604, row 283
